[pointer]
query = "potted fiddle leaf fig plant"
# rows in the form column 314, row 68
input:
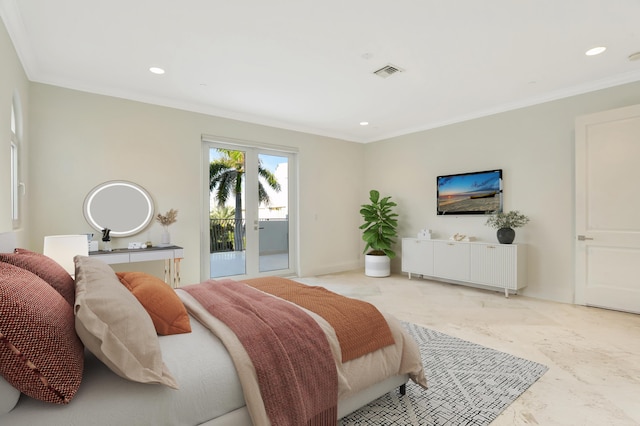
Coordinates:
column 505, row 222
column 380, row 228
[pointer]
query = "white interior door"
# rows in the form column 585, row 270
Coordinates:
column 608, row 209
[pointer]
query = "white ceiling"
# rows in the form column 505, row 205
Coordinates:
column 308, row 65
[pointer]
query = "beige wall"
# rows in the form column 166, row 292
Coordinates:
column 76, row 140
column 535, row 148
column 80, row 140
column 13, row 82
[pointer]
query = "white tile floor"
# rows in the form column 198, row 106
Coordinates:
column 229, row 263
column 593, row 354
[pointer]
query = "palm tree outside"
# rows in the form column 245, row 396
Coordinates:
column 226, row 180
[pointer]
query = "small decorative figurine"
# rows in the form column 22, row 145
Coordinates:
column 106, row 238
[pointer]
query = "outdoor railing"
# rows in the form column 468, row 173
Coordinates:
column 221, row 234
column 274, row 235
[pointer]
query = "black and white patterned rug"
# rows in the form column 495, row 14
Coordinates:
column 469, row 384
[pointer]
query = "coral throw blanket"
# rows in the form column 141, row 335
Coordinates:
column 359, row 326
column 293, row 361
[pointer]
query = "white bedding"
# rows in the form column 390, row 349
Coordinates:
column 391, row 362
column 209, row 388
column 210, row 391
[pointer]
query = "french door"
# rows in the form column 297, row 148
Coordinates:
column 607, row 206
column 250, row 218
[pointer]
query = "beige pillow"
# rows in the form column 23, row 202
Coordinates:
column 115, row 327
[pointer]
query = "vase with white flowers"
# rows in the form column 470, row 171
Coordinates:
column 165, row 220
column 505, row 222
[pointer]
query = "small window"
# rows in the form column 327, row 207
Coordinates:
column 15, row 164
column 13, row 120
column 15, row 214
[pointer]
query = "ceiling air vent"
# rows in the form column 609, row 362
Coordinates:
column 387, row 71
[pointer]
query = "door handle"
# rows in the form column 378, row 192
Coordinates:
column 583, row 238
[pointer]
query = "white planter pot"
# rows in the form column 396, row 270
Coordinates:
column 377, row 266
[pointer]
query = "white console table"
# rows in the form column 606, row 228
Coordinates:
column 492, row 265
column 170, row 254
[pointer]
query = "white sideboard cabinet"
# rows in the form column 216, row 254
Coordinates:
column 484, row 264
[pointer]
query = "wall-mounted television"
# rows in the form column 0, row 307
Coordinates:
column 470, row 193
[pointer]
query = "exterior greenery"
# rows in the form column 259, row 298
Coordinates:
column 380, row 225
column 225, row 178
column 512, row 219
column 221, row 229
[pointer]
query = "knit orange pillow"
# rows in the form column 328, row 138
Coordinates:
column 165, row 308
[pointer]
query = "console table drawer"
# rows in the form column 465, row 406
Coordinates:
column 150, row 255
column 112, row 258
column 167, row 254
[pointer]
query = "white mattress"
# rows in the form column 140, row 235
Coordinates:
column 209, row 388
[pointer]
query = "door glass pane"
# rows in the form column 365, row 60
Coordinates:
column 226, row 212
column 273, row 212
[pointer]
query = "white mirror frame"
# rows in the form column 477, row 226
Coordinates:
column 124, row 207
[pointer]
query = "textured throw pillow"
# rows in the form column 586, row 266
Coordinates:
column 114, row 326
column 40, row 353
column 165, row 308
column 44, row 267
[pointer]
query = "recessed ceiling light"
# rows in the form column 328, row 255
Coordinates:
column 364, row 123
column 595, row 51
column 156, row 70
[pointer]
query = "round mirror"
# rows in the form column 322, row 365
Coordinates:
column 123, row 207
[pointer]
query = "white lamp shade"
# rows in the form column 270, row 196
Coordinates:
column 63, row 248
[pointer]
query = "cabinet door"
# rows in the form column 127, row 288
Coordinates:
column 451, row 260
column 417, row 256
column 495, row 265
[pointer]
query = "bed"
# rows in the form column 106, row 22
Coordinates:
column 192, row 377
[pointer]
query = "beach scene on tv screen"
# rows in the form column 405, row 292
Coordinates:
column 469, row 193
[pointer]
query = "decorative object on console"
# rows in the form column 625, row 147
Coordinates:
column 165, row 220
column 505, row 222
column 106, row 238
column 461, row 237
column 470, row 193
column 93, row 245
column 380, row 229
column 424, row 234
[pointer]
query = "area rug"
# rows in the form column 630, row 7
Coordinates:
column 469, row 384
